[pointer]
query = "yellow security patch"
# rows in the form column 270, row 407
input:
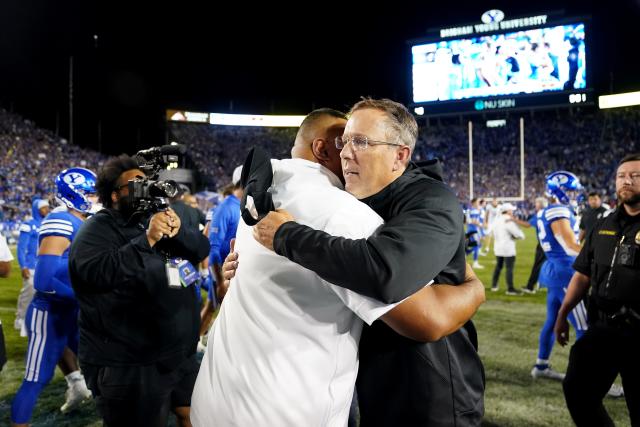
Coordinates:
column 607, row 232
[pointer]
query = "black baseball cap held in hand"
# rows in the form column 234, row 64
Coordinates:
column 256, row 179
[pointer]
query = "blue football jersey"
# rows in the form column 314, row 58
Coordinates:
column 557, row 269
column 550, row 245
column 62, row 224
column 474, row 214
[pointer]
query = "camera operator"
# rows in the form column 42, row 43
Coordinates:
column 139, row 316
column 609, row 264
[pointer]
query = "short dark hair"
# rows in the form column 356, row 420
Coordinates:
column 109, row 174
column 594, row 194
column 308, row 129
column 320, row 113
column 630, row 158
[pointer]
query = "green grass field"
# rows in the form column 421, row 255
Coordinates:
column 508, row 332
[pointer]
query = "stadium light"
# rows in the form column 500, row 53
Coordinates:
column 419, row 111
column 234, row 119
column 619, row 100
column 255, row 120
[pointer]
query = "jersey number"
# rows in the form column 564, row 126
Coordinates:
column 542, row 234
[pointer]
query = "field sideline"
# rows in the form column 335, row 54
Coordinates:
column 508, row 329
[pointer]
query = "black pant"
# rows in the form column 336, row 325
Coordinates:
column 3, row 350
column 402, row 382
column 535, row 269
column 594, row 362
column 509, row 261
column 140, row 395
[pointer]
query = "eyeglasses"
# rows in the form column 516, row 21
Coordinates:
column 633, row 176
column 120, row 187
column 360, row 142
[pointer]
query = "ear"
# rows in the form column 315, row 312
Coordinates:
column 320, row 150
column 114, row 197
column 403, row 156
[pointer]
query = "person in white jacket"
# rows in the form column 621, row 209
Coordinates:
column 505, row 233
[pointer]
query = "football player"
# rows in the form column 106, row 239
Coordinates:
column 558, row 236
column 52, row 316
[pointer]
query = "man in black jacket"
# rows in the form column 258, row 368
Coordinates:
column 591, row 215
column 139, row 316
column 401, row 381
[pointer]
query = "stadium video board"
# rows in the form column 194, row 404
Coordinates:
column 510, row 69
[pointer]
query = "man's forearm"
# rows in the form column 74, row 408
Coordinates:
column 578, row 288
column 455, row 305
column 390, row 267
column 438, row 310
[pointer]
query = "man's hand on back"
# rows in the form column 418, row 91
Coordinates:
column 266, row 229
column 230, row 265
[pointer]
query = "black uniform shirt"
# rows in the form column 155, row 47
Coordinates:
column 590, row 216
column 596, row 257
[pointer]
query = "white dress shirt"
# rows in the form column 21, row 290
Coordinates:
column 283, row 349
column 5, row 253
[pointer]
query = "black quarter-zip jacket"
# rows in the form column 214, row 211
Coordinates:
column 401, row 381
column 422, row 238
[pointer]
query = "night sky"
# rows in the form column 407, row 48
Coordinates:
column 261, row 59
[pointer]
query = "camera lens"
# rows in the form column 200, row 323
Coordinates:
column 167, row 188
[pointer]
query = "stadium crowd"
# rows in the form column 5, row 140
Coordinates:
column 588, row 144
column 31, row 156
column 216, row 150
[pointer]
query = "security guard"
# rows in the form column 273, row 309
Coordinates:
column 609, row 263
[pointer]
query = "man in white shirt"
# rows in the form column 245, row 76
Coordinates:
column 5, row 257
column 5, row 269
column 505, row 232
column 281, row 354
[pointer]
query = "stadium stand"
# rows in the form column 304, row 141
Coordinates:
column 588, row 142
column 31, row 157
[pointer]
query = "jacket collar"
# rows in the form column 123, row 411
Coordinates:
column 381, row 201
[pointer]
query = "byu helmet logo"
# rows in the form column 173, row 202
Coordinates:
column 74, row 178
column 561, row 179
column 493, row 15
